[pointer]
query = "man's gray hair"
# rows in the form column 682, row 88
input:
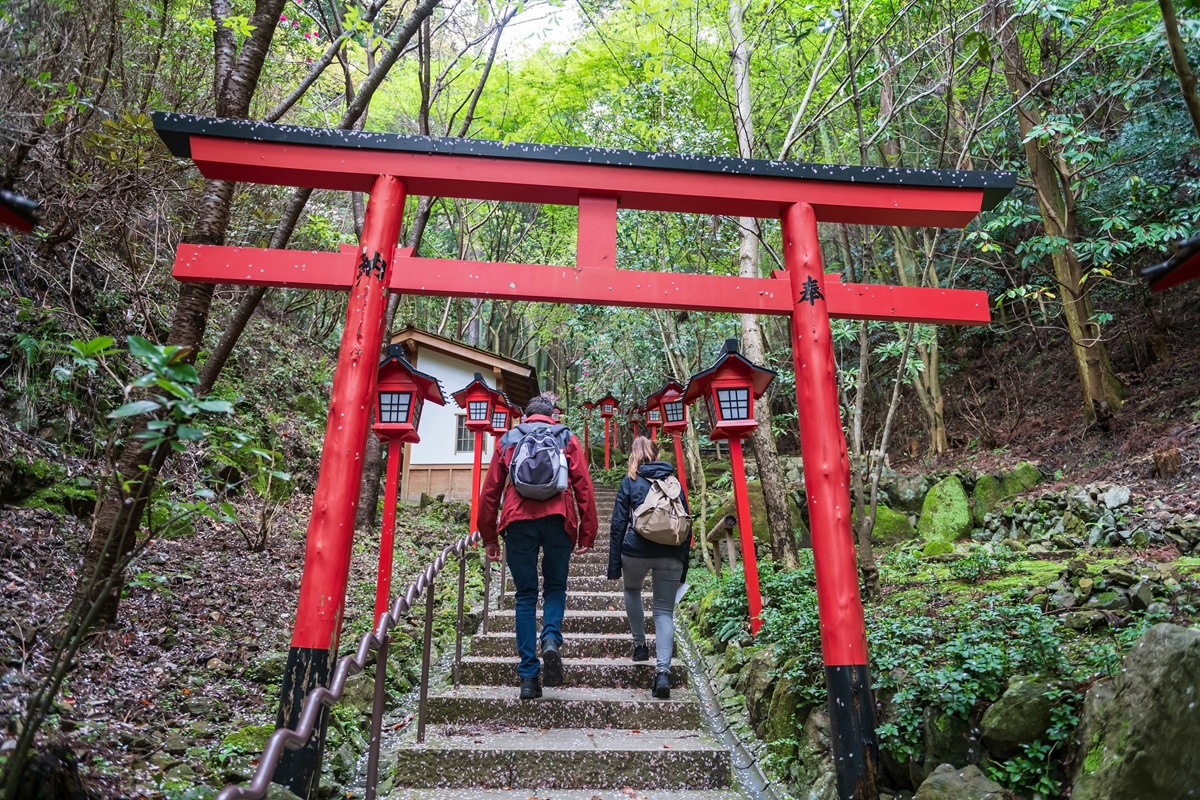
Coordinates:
column 539, row 405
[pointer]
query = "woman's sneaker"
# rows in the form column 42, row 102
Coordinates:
column 641, row 652
column 662, row 685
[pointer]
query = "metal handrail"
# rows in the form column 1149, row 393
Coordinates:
column 351, row 665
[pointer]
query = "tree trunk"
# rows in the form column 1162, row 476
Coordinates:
column 1102, row 391
column 1183, row 70
column 861, row 462
column 115, row 528
column 927, row 381
column 770, row 474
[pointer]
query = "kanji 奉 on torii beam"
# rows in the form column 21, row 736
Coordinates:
column 597, row 181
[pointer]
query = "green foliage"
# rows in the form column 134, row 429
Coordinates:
column 175, row 404
column 983, row 563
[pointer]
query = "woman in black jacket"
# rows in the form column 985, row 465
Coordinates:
column 633, row 557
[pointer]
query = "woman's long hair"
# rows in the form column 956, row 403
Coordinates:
column 643, row 451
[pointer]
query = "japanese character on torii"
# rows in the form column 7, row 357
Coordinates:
column 597, row 181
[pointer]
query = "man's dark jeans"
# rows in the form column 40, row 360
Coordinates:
column 522, row 540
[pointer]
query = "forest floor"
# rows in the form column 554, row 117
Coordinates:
column 1017, row 397
column 202, row 610
column 194, row 657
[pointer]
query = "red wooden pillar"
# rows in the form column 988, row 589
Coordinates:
column 680, row 469
column 827, row 479
column 331, row 526
column 607, row 444
column 476, row 472
column 387, row 534
column 745, row 528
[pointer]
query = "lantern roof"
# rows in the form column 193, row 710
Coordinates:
column 656, row 399
column 730, row 360
column 429, row 387
column 460, row 397
column 589, row 405
column 608, row 398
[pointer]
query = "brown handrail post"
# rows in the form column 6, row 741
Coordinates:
column 423, row 706
column 377, row 709
column 487, row 593
column 458, row 625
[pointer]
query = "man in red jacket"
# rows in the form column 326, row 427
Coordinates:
column 551, row 525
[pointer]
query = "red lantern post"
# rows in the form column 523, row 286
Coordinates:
column 729, row 388
column 653, row 420
column 401, row 391
column 608, row 409
column 478, row 399
column 674, row 414
column 635, row 417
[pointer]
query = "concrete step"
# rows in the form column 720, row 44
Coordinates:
column 594, row 673
column 566, row 759
column 575, row 583
column 596, row 555
column 602, row 601
column 573, row 621
column 541, row 792
column 592, row 601
column 597, row 567
column 563, row 708
column 577, row 645
column 591, row 564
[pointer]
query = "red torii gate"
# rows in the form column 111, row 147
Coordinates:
column 598, row 181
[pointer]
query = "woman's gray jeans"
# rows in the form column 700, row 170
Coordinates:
column 665, row 583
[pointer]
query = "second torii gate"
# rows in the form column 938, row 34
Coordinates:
column 598, row 181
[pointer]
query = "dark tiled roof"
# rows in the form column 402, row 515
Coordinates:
column 175, row 130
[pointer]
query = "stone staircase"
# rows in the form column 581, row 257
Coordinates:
column 601, row 736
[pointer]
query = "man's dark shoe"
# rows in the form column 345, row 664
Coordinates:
column 531, row 688
column 552, row 666
column 662, row 685
column 641, row 652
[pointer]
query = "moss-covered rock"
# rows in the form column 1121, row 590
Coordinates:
column 1139, row 731
column 984, row 497
column 758, row 684
column 703, row 619
column 1021, row 478
column 969, row 783
column 787, row 712
column 908, row 492
column 945, row 514
column 937, row 548
column 715, row 468
column 891, row 527
column 947, row 740
column 1020, row 716
column 758, row 512
column 267, row 668
column 42, row 483
column 250, row 739
column 76, row 497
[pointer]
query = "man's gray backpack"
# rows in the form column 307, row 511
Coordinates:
column 661, row 517
column 538, row 467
